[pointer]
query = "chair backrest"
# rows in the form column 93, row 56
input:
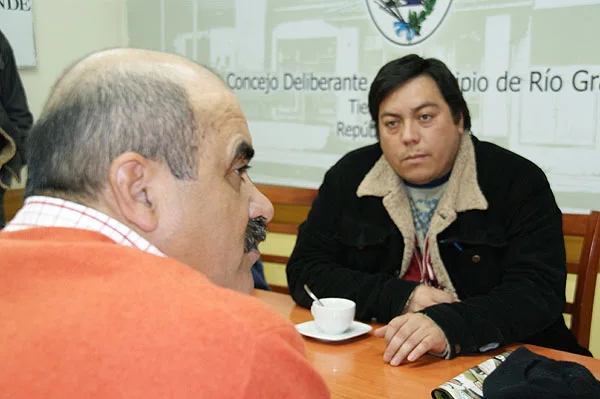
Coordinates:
column 582, row 242
column 13, row 200
column 291, row 208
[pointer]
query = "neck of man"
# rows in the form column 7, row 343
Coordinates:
column 434, row 183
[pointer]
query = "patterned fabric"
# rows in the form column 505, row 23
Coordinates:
column 41, row 211
column 423, row 202
column 421, row 269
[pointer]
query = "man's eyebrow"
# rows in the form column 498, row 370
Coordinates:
column 244, row 151
column 413, row 110
column 424, row 105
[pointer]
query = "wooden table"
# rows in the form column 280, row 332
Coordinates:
column 355, row 368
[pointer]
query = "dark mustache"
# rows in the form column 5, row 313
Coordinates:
column 256, row 231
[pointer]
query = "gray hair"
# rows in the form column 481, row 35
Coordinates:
column 102, row 114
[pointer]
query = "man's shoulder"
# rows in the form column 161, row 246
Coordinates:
column 244, row 312
column 226, row 317
column 363, row 156
column 150, row 289
column 121, row 274
column 494, row 159
column 347, row 173
column 356, row 163
column 147, row 314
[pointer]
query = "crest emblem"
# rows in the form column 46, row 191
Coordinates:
column 407, row 22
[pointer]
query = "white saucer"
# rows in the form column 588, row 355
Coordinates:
column 310, row 329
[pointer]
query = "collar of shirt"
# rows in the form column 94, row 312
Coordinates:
column 41, row 211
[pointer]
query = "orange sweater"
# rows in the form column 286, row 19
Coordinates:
column 83, row 317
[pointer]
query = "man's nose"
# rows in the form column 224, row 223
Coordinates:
column 261, row 206
column 410, row 134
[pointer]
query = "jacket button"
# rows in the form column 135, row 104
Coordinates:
column 457, row 349
column 397, row 273
column 476, row 259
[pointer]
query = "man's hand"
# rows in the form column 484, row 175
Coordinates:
column 410, row 336
column 425, row 296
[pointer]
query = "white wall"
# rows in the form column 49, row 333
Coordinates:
column 66, row 30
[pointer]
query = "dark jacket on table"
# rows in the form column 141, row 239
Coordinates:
column 496, row 243
column 15, row 118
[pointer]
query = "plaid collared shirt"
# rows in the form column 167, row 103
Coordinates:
column 41, row 211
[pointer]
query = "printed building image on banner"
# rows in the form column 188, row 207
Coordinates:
column 529, row 70
column 16, row 23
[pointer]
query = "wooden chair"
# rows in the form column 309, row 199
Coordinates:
column 582, row 242
column 291, row 208
column 13, row 201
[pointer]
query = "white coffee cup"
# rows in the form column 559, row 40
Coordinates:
column 335, row 316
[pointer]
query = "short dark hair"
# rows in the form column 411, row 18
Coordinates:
column 399, row 71
column 94, row 120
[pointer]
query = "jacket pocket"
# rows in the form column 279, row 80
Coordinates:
column 367, row 246
column 475, row 263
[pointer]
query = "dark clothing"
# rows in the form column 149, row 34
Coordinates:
column 15, row 121
column 498, row 246
column 526, row 375
column 2, row 218
column 258, row 274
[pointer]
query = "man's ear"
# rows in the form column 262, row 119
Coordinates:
column 130, row 179
column 460, row 124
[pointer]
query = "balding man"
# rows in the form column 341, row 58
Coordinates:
column 139, row 213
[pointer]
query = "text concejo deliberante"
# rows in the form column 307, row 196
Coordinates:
column 305, row 81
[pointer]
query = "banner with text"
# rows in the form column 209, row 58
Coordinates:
column 529, row 70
